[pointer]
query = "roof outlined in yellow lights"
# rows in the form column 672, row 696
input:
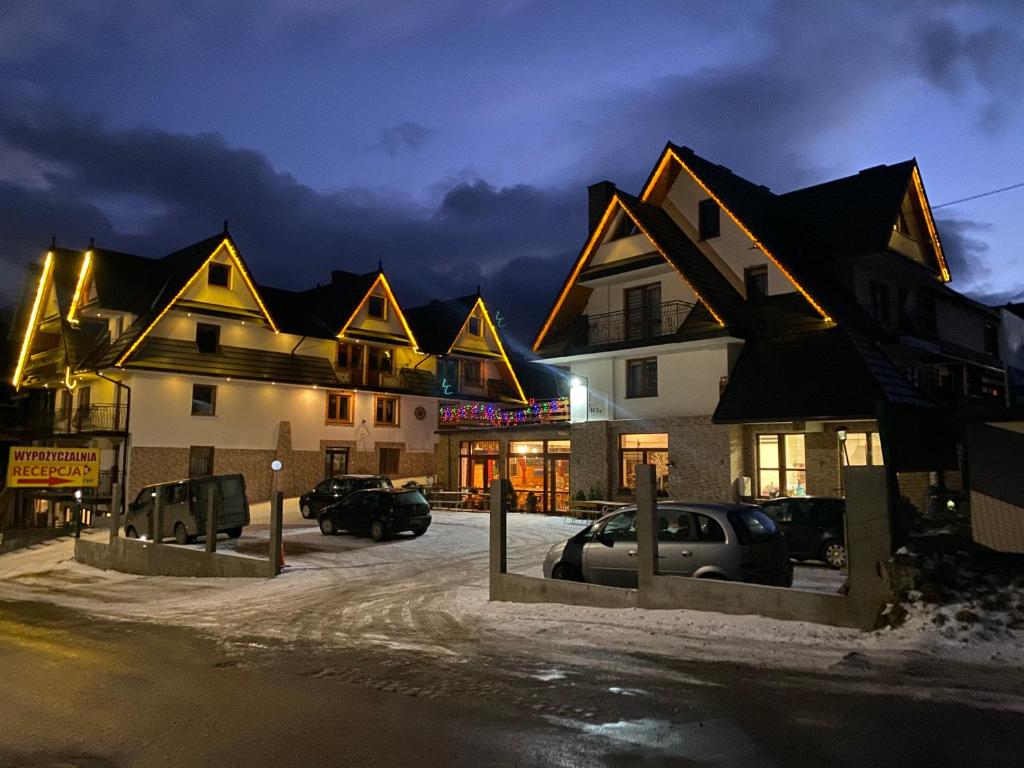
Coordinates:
column 33, row 319
column 382, row 281
column 226, row 244
column 83, row 276
column 494, row 331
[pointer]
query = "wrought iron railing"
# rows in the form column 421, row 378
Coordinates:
column 649, row 322
column 88, row 418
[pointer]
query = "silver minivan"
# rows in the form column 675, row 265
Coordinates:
column 732, row 542
column 184, row 507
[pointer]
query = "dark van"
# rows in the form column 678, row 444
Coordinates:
column 185, row 503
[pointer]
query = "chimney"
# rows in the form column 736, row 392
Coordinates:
column 599, row 195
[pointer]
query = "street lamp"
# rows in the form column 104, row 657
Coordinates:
column 579, row 401
column 78, row 513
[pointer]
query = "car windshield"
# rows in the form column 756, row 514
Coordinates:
column 752, row 525
column 409, row 499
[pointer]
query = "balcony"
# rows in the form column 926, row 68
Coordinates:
column 85, row 420
column 488, row 415
column 917, row 322
column 625, row 326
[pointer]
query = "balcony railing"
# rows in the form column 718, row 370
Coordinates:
column 920, row 322
column 461, row 415
column 649, row 322
column 84, row 419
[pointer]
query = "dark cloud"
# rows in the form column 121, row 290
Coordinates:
column 405, row 137
column 148, row 191
column 966, row 252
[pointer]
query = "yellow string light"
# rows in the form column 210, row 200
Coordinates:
column 381, row 280
column 83, row 273
column 33, row 318
column 932, row 231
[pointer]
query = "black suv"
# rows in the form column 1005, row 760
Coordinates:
column 814, row 526
column 379, row 512
column 335, row 489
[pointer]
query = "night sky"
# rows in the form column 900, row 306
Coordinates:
column 454, row 140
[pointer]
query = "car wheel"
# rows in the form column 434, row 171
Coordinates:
column 306, row 511
column 418, row 531
column 131, row 533
column 327, row 527
column 180, row 534
column 378, row 531
column 233, row 533
column 834, row 554
column 566, row 572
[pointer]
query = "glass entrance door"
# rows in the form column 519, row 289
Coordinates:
column 557, row 497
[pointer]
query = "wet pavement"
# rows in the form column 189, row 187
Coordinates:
column 79, row 691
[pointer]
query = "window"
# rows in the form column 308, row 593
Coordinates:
column 385, row 410
column 642, row 377
column 379, row 359
column 207, row 337
column 349, row 355
column 219, row 274
column 781, row 465
column 643, row 449
column 756, row 280
column 862, row 449
column 880, row 302
column 709, row 530
column 389, row 458
column 204, row 400
column 472, row 373
column 708, row 219
column 991, row 339
column 476, row 326
column 674, row 525
column 200, row 460
column 622, row 527
column 448, row 373
column 643, row 311
column 377, row 307
column 339, row 408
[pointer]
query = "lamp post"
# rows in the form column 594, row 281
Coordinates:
column 276, row 521
column 78, row 513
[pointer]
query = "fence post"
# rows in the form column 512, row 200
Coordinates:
column 500, row 489
column 276, row 530
column 158, row 517
column 646, row 528
column 211, row 521
column 115, row 512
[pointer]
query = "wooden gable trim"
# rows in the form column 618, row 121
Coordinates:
column 382, row 281
column 236, row 259
column 670, row 155
column 84, row 272
column 933, row 233
column 497, row 339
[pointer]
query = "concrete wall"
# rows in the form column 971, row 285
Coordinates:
column 869, row 548
column 148, row 559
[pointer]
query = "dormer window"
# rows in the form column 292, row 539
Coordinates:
column 756, row 280
column 708, row 219
column 219, row 274
column 207, row 337
column 476, row 327
column 377, row 307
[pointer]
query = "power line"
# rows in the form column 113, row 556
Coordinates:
column 983, row 194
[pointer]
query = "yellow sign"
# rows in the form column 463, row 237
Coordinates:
column 37, row 467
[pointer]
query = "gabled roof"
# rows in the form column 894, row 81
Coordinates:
column 437, row 324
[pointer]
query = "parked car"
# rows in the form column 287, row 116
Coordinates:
column 334, row 489
column 380, row 512
column 185, row 504
column 734, row 542
column 814, row 526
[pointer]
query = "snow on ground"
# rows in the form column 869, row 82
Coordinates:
column 430, row 593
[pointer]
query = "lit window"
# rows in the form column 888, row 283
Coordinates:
column 207, row 337
column 204, row 400
column 476, row 326
column 643, row 449
column 339, row 407
column 862, row 449
column 642, row 377
column 219, row 274
column 377, row 307
column 385, row 411
column 781, row 465
column 708, row 219
column 349, row 355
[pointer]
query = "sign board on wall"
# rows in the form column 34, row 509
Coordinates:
column 38, row 467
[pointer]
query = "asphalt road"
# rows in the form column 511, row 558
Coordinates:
column 78, row 691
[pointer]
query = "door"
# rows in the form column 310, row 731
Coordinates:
column 177, row 508
column 713, row 552
column 557, row 496
column 481, row 472
column 610, row 557
column 335, row 462
column 678, row 544
column 643, row 311
column 800, row 526
column 200, row 460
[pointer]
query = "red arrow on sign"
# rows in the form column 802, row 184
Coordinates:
column 47, row 481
